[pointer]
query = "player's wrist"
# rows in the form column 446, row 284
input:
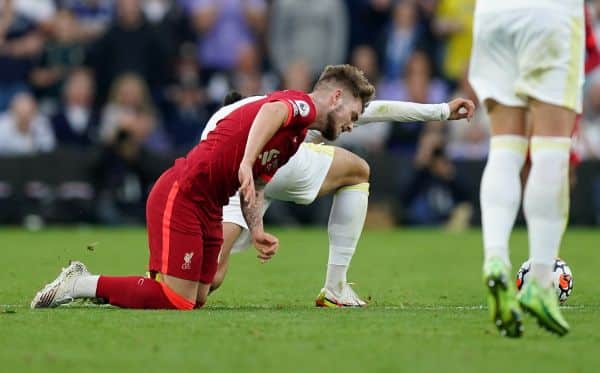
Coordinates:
column 445, row 111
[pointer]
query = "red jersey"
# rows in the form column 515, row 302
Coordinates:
column 209, row 172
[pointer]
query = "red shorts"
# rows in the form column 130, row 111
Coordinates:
column 184, row 239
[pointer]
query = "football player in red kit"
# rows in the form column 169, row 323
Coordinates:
column 253, row 138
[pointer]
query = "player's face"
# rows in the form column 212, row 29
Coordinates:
column 345, row 110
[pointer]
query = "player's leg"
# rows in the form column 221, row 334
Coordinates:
column 348, row 179
column 546, row 206
column 500, row 193
column 231, row 232
column 500, row 197
column 167, row 242
column 551, row 63
column 492, row 73
column 213, row 243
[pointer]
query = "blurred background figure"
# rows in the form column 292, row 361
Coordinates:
column 62, row 52
column 417, row 85
column 454, row 25
column 469, row 140
column 130, row 112
column 23, row 130
column 434, row 195
column 92, row 16
column 403, row 35
column 588, row 142
column 223, row 28
column 129, row 45
column 297, row 25
column 22, row 37
column 76, row 121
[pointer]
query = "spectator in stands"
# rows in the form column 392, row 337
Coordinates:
column 248, row 77
column 61, row 54
column 297, row 76
column 402, row 37
column 187, row 110
column 76, row 123
column 23, row 130
column 187, row 117
column 419, row 86
column 130, row 45
column 469, row 140
column 21, row 40
column 434, row 195
column 92, row 16
column 130, row 111
column 314, row 30
column 588, row 140
column 454, row 25
column 224, row 28
column 370, row 18
column 365, row 58
column 171, row 21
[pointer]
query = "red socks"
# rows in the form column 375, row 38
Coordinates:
column 140, row 293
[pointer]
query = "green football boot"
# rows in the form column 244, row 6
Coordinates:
column 502, row 298
column 543, row 305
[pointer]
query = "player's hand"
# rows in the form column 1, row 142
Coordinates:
column 461, row 108
column 266, row 244
column 247, row 183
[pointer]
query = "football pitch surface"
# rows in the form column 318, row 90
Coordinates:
column 426, row 310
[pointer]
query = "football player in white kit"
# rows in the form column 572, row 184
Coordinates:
column 318, row 169
column 527, row 65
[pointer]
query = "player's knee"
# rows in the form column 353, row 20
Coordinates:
column 362, row 171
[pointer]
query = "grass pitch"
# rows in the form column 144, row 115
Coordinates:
column 426, row 310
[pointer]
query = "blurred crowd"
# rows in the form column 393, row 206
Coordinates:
column 143, row 76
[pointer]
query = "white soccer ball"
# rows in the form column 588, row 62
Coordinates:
column 563, row 278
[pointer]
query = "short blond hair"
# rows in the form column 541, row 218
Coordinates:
column 350, row 77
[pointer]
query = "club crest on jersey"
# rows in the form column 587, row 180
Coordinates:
column 187, row 261
column 300, row 107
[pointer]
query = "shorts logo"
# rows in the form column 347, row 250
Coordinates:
column 187, row 261
column 268, row 156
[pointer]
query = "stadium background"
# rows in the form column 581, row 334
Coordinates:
column 97, row 97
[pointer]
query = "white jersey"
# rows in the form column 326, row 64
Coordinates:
column 494, row 6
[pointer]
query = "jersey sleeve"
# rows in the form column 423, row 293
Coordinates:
column 301, row 109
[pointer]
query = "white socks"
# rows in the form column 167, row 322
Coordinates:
column 346, row 221
column 85, row 287
column 546, row 203
column 500, row 193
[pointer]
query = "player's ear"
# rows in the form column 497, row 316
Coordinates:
column 336, row 96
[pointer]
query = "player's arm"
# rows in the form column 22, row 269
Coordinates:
column 270, row 117
column 265, row 243
column 402, row 111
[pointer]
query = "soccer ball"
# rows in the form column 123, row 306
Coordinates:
column 563, row 278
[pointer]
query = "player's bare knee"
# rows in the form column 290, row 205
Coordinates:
column 358, row 172
column 184, row 288
column 363, row 170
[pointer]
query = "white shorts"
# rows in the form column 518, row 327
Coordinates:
column 298, row 181
column 537, row 53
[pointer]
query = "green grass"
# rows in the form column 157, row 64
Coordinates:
column 425, row 314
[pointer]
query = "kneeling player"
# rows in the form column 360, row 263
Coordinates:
column 184, row 209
